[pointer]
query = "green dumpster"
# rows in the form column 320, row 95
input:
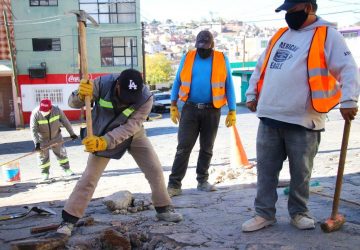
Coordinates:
column 245, row 78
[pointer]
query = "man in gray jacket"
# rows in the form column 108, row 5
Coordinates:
column 121, row 105
column 306, row 70
column 45, row 123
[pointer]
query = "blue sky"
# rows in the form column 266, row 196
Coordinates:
column 260, row 12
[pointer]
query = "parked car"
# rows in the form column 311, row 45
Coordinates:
column 161, row 103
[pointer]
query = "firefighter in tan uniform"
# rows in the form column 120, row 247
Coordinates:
column 45, row 123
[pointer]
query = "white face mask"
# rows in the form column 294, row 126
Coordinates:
column 45, row 113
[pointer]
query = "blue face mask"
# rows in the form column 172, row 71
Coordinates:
column 296, row 19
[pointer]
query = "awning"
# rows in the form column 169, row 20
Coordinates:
column 5, row 68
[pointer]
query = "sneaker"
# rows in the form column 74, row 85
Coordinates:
column 45, row 176
column 169, row 216
column 206, row 187
column 68, row 172
column 256, row 223
column 303, row 222
column 174, row 191
column 65, row 228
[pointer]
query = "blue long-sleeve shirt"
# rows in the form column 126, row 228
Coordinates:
column 200, row 90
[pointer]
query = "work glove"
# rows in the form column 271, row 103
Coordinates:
column 74, row 137
column 174, row 114
column 37, row 147
column 85, row 89
column 94, row 143
column 230, row 118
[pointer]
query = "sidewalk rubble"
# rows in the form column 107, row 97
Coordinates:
column 211, row 220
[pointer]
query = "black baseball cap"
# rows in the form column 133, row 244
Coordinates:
column 288, row 4
column 131, row 85
column 204, row 40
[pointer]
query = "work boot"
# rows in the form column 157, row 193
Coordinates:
column 45, row 176
column 174, row 191
column 69, row 172
column 206, row 187
column 256, row 223
column 302, row 221
column 168, row 214
column 65, row 228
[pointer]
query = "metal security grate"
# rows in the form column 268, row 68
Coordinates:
column 55, row 95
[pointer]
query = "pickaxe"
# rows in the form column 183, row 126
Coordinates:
column 82, row 16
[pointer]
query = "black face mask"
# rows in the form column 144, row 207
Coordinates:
column 296, row 19
column 204, row 53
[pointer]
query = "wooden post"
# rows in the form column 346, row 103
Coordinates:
column 143, row 49
column 17, row 106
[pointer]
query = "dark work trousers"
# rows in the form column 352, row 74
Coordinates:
column 273, row 146
column 195, row 121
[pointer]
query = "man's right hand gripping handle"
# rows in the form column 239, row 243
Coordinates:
column 174, row 114
column 85, row 89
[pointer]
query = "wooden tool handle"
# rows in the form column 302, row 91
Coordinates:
column 84, row 72
column 36, row 230
column 339, row 178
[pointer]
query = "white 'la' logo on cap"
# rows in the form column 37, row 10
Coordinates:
column 132, row 85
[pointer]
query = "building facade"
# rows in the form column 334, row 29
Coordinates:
column 46, row 38
column 9, row 109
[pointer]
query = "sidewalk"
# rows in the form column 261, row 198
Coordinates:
column 211, row 220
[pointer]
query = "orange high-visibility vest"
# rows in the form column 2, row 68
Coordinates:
column 218, row 78
column 325, row 92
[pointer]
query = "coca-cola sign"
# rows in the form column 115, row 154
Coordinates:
column 74, row 78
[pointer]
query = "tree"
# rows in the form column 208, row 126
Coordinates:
column 158, row 68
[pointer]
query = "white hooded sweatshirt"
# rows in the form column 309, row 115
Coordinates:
column 285, row 95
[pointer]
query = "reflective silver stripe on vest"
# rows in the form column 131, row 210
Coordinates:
column 186, row 84
column 318, row 72
column 218, row 98
column 218, row 85
column 325, row 94
column 105, row 104
column 182, row 93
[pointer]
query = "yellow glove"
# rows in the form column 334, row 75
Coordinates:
column 230, row 118
column 94, row 143
column 85, row 89
column 174, row 114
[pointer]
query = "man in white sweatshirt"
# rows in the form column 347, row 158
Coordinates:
column 306, row 70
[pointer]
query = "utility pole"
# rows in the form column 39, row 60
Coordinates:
column 143, row 49
column 18, row 107
column 244, row 52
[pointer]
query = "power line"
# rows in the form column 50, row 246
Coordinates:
column 101, row 31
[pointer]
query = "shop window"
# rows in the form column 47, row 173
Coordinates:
column 118, row 51
column 55, row 95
